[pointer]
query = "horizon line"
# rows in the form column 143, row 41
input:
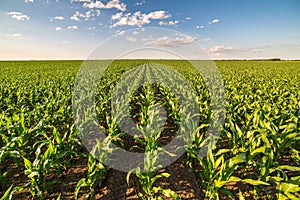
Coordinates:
column 228, row 59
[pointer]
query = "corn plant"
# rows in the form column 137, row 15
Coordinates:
column 258, row 145
column 37, row 170
column 150, row 126
column 95, row 175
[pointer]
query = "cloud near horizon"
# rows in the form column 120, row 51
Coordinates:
column 18, row 16
column 170, row 41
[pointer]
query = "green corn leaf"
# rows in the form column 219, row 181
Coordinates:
column 220, row 183
column 289, row 187
column 236, row 160
column 156, row 189
column 290, row 168
column 239, row 131
column 48, row 153
column 258, row 151
column 32, row 173
column 8, row 193
column 294, row 136
column 222, row 151
column 170, row 194
column 81, row 183
column 128, row 175
column 295, row 179
column 57, row 136
column 219, row 161
column 228, row 192
column 287, row 190
column 254, row 182
column 27, row 163
column 241, row 197
column 274, row 178
column 59, row 197
column 166, row 175
column 210, row 156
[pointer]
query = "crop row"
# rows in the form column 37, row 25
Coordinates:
column 256, row 150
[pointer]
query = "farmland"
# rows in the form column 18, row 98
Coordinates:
column 257, row 154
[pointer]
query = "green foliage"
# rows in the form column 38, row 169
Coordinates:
column 258, row 145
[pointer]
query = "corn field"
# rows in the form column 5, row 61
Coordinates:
column 257, row 154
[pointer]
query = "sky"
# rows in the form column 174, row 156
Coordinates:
column 221, row 29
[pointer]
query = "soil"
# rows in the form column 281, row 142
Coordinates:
column 114, row 187
column 182, row 181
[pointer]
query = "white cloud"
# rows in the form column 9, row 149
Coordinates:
column 97, row 4
column 56, row 18
column 227, row 49
column 131, row 39
column 111, row 4
column 219, row 49
column 188, row 18
column 92, row 28
column 58, row 28
column 15, row 36
column 177, row 41
column 116, row 16
column 298, row 48
column 27, row 1
column 119, row 32
column 86, row 16
column 18, row 16
column 116, row 4
column 76, row 16
column 169, row 23
column 140, row 3
column 59, row 18
column 206, row 39
column 160, row 14
column 199, row 27
column 138, row 18
column 214, row 21
column 138, row 32
column 72, row 27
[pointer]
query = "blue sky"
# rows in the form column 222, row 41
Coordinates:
column 71, row 29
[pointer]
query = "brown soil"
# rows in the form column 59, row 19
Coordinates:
column 182, row 181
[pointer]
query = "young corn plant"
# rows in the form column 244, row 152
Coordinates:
column 95, row 175
column 37, row 170
column 217, row 170
column 150, row 126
